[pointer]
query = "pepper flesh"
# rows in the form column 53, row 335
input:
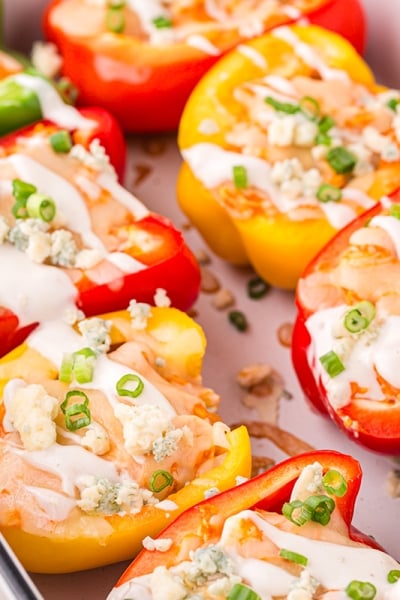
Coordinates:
column 256, row 229
column 133, row 77
column 181, row 343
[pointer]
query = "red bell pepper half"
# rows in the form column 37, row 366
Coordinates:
column 202, row 525
column 144, row 82
column 343, row 357
column 113, row 248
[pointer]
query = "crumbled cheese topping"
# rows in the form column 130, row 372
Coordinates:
column 96, row 332
column 32, row 411
column 95, row 157
column 139, row 312
column 46, row 58
column 96, row 439
column 160, row 544
column 107, row 497
column 304, row 587
column 161, row 298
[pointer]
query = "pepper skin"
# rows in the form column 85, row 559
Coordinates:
column 173, row 346
column 146, row 84
column 357, row 265
column 250, row 112
column 201, row 526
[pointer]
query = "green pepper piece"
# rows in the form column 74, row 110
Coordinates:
column 18, row 106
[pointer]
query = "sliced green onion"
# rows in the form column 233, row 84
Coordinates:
column 394, row 211
column 124, row 385
column 310, row 108
column 240, row 177
column 361, row 590
column 19, row 210
column 242, row 592
column 325, row 124
column 367, row 309
column 323, row 139
column 393, row 103
column 67, row 368
column 329, row 193
column 354, row 321
column 257, row 288
column 321, row 508
column 22, row 190
column 83, row 368
column 294, row 557
column 341, row 159
column 334, row 483
column 68, row 90
column 393, row 576
column 296, row 512
column 160, row 480
column 285, row 107
column 162, row 22
column 331, row 363
column 77, row 415
column 61, row 141
column 40, row 206
column 238, row 319
column 115, row 20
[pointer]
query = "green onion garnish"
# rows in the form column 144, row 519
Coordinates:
column 78, row 365
column 115, row 20
column 325, row 124
column 331, row 363
column 77, row 415
column 394, row 211
column 393, row 576
column 257, row 288
column 393, row 103
column 285, row 107
column 160, row 480
column 124, row 385
column 293, row 557
column 19, row 210
column 61, row 141
column 323, row 139
column 296, row 512
column 329, row 193
column 341, row 159
column 310, row 108
column 239, row 177
column 238, row 319
column 358, row 318
column 67, row 368
column 242, row 592
column 334, row 483
column 361, row 590
column 321, row 508
column 22, row 190
column 162, row 22
column 40, row 206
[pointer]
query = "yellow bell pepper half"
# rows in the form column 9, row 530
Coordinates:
column 273, row 110
column 173, row 345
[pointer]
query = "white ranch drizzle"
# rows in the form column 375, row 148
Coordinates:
column 309, row 55
column 34, row 292
column 252, row 54
column 56, row 506
column 202, row 43
column 392, row 227
column 52, row 106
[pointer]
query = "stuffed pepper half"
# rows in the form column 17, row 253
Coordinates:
column 70, row 232
column 107, row 434
column 347, row 333
column 141, row 59
column 284, row 535
column 284, row 142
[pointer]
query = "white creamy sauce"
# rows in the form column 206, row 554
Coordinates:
column 381, row 351
column 309, row 55
column 69, row 463
column 125, row 262
column 202, row 43
column 337, row 213
column 56, row 506
column 9, row 391
column 392, row 227
column 332, row 565
column 358, row 196
column 121, row 194
column 67, row 198
column 281, row 84
column 52, row 106
column 252, row 54
column 148, row 11
column 34, row 292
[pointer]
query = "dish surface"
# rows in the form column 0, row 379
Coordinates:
column 152, row 168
